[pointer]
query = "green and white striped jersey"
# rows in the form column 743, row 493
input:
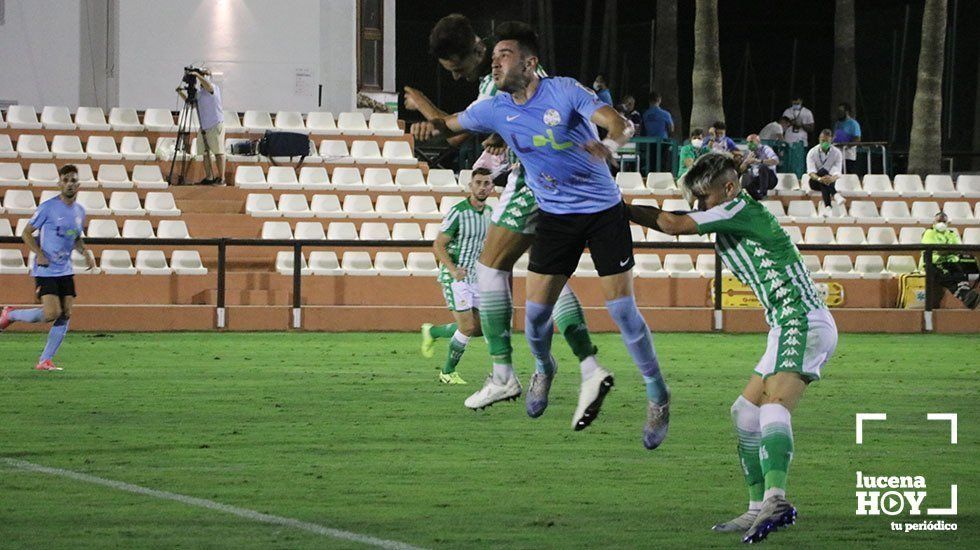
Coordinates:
column 760, row 253
column 467, row 229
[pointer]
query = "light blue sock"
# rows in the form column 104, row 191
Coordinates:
column 539, row 330
column 55, row 336
column 33, row 315
column 639, row 343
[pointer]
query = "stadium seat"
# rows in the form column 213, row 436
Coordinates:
column 282, row 177
column 7, row 147
column 398, row 152
column 654, row 236
column 326, row 206
column 136, row 148
column 865, row 212
column 276, row 230
column 959, row 213
column 447, row 203
column 694, row 238
column 22, row 117
column 882, row 235
column 795, row 235
column 161, row 203
column 290, row 121
column 648, row 266
column 148, row 176
column 896, row 212
column 56, row 118
column 812, row 263
column 5, row 229
column 43, row 174
column 322, row 123
column 94, row 203
column 924, row 211
column 661, row 183
column 257, row 122
column 411, row 179
column 102, row 148
column 126, row 203
column 117, row 262
column 679, row 265
column 870, row 267
column 803, row 212
column 80, row 265
column 968, row 185
column 85, row 176
column 3, row 123
column 359, row 206
column 159, row 120
column 172, row 229
column 102, row 229
column 261, row 205
column 192, row 124
column 12, row 262
column 422, row 264
column 137, row 229
column 850, row 235
column 646, row 202
column 910, row 235
column 788, row 185
column 638, row 233
column 187, row 262
column 335, row 151
column 346, row 178
column 164, row 149
column 672, row 205
column 250, row 177
column 586, row 266
column 294, row 205
column 838, row 266
column 631, row 183
column 971, row 235
column 817, row 234
column 374, row 231
column 47, row 195
column 878, row 185
column 776, row 209
column 901, row 264
column 705, row 265
column 323, row 262
column 443, row 181
column 849, row 185
column 33, row 146
column 19, row 201
column 378, row 179
column 423, row 207
column 309, row 231
column 314, row 178
column 21, row 226
column 342, row 231
column 464, row 178
column 431, row 231
column 114, row 176
column 357, row 264
column 353, row 124
column 285, row 265
column 391, row 207
column 366, row 152
column 91, row 118
column 390, row 264
column 124, row 119
column 406, row 231
column 11, row 174
column 940, row 186
column 384, row 124
column 909, row 186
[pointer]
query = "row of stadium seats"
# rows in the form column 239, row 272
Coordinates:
column 116, row 262
column 162, row 120
column 108, row 229
column 348, row 179
column 45, row 174
column 866, row 211
column 291, row 205
column 121, row 203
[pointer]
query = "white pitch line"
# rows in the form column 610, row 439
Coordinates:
column 212, row 505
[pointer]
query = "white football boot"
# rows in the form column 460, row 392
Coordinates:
column 590, row 397
column 492, row 392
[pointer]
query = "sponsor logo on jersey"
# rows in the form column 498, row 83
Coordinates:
column 551, row 117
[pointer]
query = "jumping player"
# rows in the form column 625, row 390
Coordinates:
column 59, row 221
column 802, row 334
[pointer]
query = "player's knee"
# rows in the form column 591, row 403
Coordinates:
column 626, row 315
column 51, row 316
column 468, row 328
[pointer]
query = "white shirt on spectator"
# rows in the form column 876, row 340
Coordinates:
column 832, row 161
column 772, row 131
column 763, row 152
column 798, row 116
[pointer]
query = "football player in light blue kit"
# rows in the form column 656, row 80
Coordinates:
column 550, row 123
column 59, row 221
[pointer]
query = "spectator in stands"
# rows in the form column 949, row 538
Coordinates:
column 774, row 130
column 691, row 150
column 847, row 130
column 718, row 141
column 824, row 165
column 602, row 90
column 212, row 125
column 952, row 268
column 758, row 168
column 628, row 109
column 657, row 122
column 801, row 121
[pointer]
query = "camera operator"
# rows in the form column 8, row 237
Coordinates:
column 212, row 120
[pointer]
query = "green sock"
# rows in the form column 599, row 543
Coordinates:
column 442, row 331
column 748, row 455
column 496, row 311
column 776, row 449
column 570, row 319
column 456, row 349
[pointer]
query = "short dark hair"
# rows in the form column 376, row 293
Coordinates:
column 67, row 169
column 697, row 132
column 481, row 171
column 520, row 32
column 785, row 119
column 453, row 36
column 654, row 97
column 796, row 96
column 846, row 106
column 827, row 132
column 719, row 125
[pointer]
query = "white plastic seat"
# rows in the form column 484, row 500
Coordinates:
column 117, row 262
column 776, row 209
column 586, row 266
column 443, row 181
column 447, row 204
column 261, row 205
column 390, row 264
column 91, row 118
column 232, row 122
column 353, row 124
column 257, row 122
column 788, row 185
column 968, row 185
column 849, row 185
column 11, row 174
column 910, row 235
column 56, row 118
column 187, row 262
column 693, row 238
column 812, row 263
column 374, row 231
column 870, row 267
column 136, row 148
column 817, row 234
column 294, row 205
column 398, row 152
column 391, row 206
column 795, row 235
column 22, row 117
column 47, row 195
column 358, row 264
column 94, row 203
column 850, row 235
column 159, row 120
column 648, row 266
column 406, row 231
column 126, row 203
column 341, row 231
column 290, row 121
column 335, row 151
column 422, row 264
column 164, row 149
column 12, row 262
column 680, row 265
column 646, row 202
column 276, row 230
column 803, row 212
column 102, row 148
column 148, row 176
column 19, row 201
column 3, row 123
column 378, row 179
column 662, row 183
column 314, row 178
column 347, row 178
column 250, row 177
column 384, row 124
column 285, row 265
column 172, row 229
column 971, row 235
column 152, row 262
column 924, row 211
column 138, row 229
column 33, row 146
column 411, row 179
column 909, row 185
column 882, row 235
column 43, row 174
column 161, row 203
column 637, row 233
column 865, row 212
column 878, row 185
column 705, row 265
column 359, row 206
column 6, row 230
column 366, row 152
column 282, row 177
column 114, row 176
column 322, row 123
column 309, row 231
column 464, row 178
column 431, row 231
column 901, row 264
column 896, row 212
column 654, row 236
column 7, row 150
column 323, row 262
column 839, row 266
column 631, row 183
column 941, row 186
column 673, row 205
column 959, row 213
column 327, row 206
column 85, row 176
column 21, row 226
column 124, row 119
column 102, row 229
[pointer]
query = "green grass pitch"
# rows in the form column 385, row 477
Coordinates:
column 352, row 431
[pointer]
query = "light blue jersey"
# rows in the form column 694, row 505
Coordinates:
column 548, row 134
column 59, row 225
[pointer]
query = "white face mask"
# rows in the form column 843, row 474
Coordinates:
column 595, row 85
column 940, row 226
column 696, row 143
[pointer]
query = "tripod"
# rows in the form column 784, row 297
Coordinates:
column 182, row 148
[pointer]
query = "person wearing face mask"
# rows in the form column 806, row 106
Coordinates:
column 602, row 90
column 953, row 269
column 758, row 168
column 847, row 130
column 824, row 165
column 718, row 141
column 801, row 121
column 691, row 150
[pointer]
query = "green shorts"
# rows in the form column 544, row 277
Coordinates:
column 517, row 210
column 461, row 295
column 802, row 345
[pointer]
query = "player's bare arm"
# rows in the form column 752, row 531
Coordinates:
column 439, row 249
column 663, row 221
column 85, row 252
column 436, row 128
column 619, row 131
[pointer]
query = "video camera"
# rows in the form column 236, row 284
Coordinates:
column 190, row 80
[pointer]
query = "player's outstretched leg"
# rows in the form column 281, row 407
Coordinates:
column 31, row 315
column 431, row 333
column 745, row 416
column 496, row 311
column 457, row 345
column 55, row 337
column 538, row 331
column 570, row 320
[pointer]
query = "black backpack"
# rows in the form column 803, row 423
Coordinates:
column 284, row 144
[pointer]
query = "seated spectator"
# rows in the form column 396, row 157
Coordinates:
column 628, row 110
column 801, row 121
column 657, row 122
column 691, row 150
column 847, row 130
column 718, row 141
column 952, row 269
column 824, row 165
column 759, row 168
column 774, row 130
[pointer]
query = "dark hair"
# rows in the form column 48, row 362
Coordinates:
column 654, row 97
column 785, row 119
column 796, row 96
column 827, row 132
column 719, row 125
column 845, row 105
column 481, row 171
column 67, row 169
column 520, row 32
column 453, row 36
column 697, row 132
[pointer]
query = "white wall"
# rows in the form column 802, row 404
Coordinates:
column 338, row 68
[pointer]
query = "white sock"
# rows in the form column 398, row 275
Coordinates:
column 589, row 366
column 461, row 338
column 755, row 506
column 502, row 373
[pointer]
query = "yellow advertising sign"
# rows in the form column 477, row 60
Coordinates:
column 736, row 295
